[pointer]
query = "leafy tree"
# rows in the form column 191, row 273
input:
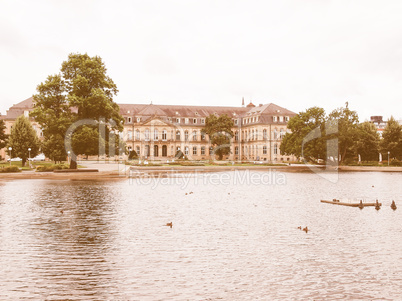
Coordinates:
column 307, row 137
column 81, row 91
column 3, row 135
column 132, row 155
column 347, row 122
column 219, row 130
column 367, row 141
column 22, row 137
column 392, row 139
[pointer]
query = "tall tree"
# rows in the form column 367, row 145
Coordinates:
column 219, row 131
column 347, row 121
column 23, row 137
column 3, row 135
column 392, row 139
column 82, row 92
column 367, row 141
column 53, row 113
column 306, row 138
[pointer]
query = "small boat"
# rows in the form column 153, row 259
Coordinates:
column 359, row 204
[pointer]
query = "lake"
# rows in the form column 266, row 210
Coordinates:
column 235, row 236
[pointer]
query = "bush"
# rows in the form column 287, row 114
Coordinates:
column 52, row 167
column 10, row 169
column 133, row 155
column 395, row 162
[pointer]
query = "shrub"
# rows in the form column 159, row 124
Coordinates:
column 52, row 167
column 133, row 155
column 10, row 169
column 395, row 162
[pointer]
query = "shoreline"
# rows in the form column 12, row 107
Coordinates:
column 138, row 171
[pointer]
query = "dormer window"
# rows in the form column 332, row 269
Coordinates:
column 202, row 121
column 286, row 118
column 196, row 113
column 129, row 119
column 195, row 120
column 178, row 120
column 275, row 118
column 280, row 118
column 138, row 119
column 186, row 120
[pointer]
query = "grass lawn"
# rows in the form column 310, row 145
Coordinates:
column 34, row 164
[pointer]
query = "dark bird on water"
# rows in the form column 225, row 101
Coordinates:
column 393, row 205
column 305, row 229
column 170, row 224
column 299, row 227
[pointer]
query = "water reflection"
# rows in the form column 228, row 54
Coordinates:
column 99, row 240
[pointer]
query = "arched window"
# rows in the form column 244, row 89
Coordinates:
column 264, row 150
column 264, row 134
column 186, row 150
column 164, row 150
column 202, row 150
column 236, row 136
column 137, row 134
column 177, row 135
column 147, row 151
column 194, row 150
column 147, row 135
column 236, row 150
column 194, row 135
column 275, row 134
column 156, row 134
column 156, row 151
column 275, row 149
column 186, row 136
column 164, row 135
column 129, row 135
column 256, row 134
column 282, row 133
column 252, row 135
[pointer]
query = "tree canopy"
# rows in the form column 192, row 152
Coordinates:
column 3, row 135
column 367, row 142
column 392, row 139
column 81, row 92
column 23, row 137
column 219, row 131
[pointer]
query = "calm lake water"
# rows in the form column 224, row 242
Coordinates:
column 231, row 239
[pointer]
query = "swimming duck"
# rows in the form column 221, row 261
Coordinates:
column 305, row 229
column 170, row 224
column 393, row 206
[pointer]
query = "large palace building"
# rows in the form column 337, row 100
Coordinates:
column 157, row 132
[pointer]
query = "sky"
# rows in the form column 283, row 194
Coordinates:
column 296, row 54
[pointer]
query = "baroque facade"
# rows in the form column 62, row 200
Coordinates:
column 158, row 132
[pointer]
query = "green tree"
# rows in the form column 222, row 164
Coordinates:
column 22, row 137
column 367, row 142
column 392, row 139
column 347, row 121
column 219, row 131
column 3, row 135
column 53, row 113
column 82, row 91
column 306, row 138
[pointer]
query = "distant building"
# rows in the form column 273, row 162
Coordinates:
column 157, row 132
column 379, row 123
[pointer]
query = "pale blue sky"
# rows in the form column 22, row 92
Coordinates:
column 296, row 54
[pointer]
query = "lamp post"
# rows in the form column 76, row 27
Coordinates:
column 10, row 149
column 29, row 154
column 68, row 157
column 388, row 158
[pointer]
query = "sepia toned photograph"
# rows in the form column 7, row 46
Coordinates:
column 201, row 150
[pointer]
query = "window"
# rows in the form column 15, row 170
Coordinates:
column 156, row 151
column 177, row 135
column 264, row 134
column 195, row 120
column 156, row 135
column 286, row 118
column 164, row 136
column 264, row 150
column 211, row 150
column 202, row 150
column 203, row 136
column 202, row 121
column 235, row 121
column 252, row 135
column 178, row 120
column 129, row 119
column 282, row 133
column 137, row 134
column 147, row 151
column 280, row 118
column 275, row 118
column 138, row 119
column 236, row 150
column 256, row 135
column 194, row 150
column 186, row 136
column 164, row 151
column 138, row 151
column 186, row 150
column 186, row 120
column 129, row 135
column 275, row 149
column 236, row 136
column 275, row 134
column 147, row 135
column 194, row 135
